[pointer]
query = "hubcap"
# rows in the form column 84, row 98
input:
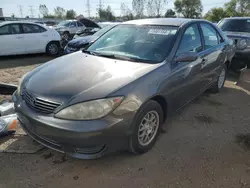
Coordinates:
column 148, row 128
column 53, row 48
column 221, row 78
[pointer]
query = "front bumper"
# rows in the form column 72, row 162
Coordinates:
column 79, row 139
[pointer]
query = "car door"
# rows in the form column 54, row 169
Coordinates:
column 80, row 26
column 185, row 77
column 214, row 54
column 73, row 27
column 11, row 40
column 35, row 38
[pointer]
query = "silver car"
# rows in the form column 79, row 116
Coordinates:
column 117, row 93
column 68, row 28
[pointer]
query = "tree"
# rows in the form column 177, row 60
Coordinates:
column 244, row 7
column 215, row 14
column 150, row 8
column 159, row 5
column 126, row 13
column 170, row 13
column 189, row 8
column 138, row 7
column 70, row 14
column 231, row 8
column 106, row 14
column 59, row 12
column 50, row 16
column 43, row 10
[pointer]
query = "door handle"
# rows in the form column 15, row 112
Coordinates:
column 19, row 37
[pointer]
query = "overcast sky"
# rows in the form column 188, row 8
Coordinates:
column 12, row 6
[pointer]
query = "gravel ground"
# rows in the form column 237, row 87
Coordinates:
column 205, row 145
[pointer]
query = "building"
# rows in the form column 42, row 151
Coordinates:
column 1, row 12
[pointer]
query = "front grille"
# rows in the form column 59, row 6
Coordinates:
column 38, row 104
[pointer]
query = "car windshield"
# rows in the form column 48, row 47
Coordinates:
column 139, row 43
column 64, row 23
column 235, row 25
column 102, row 31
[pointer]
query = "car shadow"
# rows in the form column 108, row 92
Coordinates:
column 23, row 60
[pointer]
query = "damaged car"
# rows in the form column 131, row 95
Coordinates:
column 117, row 93
column 238, row 29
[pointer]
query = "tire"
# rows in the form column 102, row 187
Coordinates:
column 66, row 35
column 135, row 141
column 53, row 48
column 219, row 84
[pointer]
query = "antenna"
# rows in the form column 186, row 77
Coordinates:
column 21, row 10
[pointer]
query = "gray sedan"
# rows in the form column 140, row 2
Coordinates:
column 116, row 94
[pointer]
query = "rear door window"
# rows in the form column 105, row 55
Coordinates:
column 73, row 24
column 210, row 35
column 79, row 24
column 32, row 28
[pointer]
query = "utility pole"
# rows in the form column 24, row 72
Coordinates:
column 88, row 8
column 21, row 10
column 31, row 11
column 100, row 4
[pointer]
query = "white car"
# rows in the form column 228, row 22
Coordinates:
column 19, row 37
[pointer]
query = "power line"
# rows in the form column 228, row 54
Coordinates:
column 88, row 8
column 100, row 4
column 21, row 10
column 31, row 12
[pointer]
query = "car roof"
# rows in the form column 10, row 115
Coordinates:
column 19, row 22
column 162, row 21
column 10, row 22
column 237, row 18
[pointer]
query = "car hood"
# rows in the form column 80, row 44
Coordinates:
column 79, row 77
column 237, row 34
column 78, row 42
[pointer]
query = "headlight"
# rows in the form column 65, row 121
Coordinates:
column 90, row 110
column 242, row 44
column 19, row 84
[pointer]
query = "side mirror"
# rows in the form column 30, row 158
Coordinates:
column 186, row 57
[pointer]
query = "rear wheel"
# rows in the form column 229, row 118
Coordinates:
column 53, row 48
column 147, row 125
column 216, row 87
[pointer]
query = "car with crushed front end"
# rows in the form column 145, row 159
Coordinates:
column 117, row 93
column 238, row 29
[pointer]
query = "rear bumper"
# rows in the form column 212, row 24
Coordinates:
column 79, row 139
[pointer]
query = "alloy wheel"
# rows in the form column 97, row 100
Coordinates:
column 148, row 128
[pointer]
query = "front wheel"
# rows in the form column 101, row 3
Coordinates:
column 216, row 87
column 146, row 127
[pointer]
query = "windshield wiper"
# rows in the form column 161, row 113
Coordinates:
column 120, row 57
column 88, row 52
column 114, row 56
